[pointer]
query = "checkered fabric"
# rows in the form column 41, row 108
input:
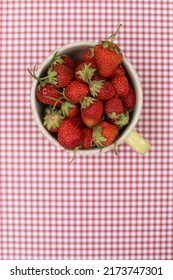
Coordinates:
column 98, row 207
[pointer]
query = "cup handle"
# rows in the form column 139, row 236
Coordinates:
column 137, row 142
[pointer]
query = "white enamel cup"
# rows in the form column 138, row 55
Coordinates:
column 129, row 135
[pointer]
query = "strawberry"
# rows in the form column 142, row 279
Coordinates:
column 119, row 71
column 49, row 94
column 114, row 105
column 130, row 100
column 104, row 134
column 107, row 57
column 60, row 74
column 77, row 121
column 88, row 55
column 121, row 86
column 69, row 110
column 91, row 111
column 75, row 91
column 63, row 59
column 69, row 136
column 101, row 89
column 86, row 138
column 85, row 71
column 52, row 119
column 115, row 112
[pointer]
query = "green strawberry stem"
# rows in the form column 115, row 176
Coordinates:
column 51, row 77
column 58, row 100
column 63, row 94
column 115, row 148
column 74, row 152
column 33, row 74
column 92, row 52
column 112, row 37
column 52, row 98
column 49, row 97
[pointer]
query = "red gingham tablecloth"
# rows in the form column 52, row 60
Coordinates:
column 99, row 207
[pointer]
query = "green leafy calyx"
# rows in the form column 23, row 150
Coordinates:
column 87, row 101
column 57, row 58
column 95, row 87
column 86, row 73
column 50, row 78
column 66, row 106
column 98, row 139
column 120, row 119
column 52, row 119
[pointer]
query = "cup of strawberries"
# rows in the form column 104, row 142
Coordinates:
column 86, row 98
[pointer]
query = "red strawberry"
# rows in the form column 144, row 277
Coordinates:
column 121, row 86
column 75, row 91
column 86, row 138
column 60, row 75
column 63, row 59
column 88, row 55
column 115, row 112
column 108, row 57
column 101, row 89
column 85, row 71
column 91, row 111
column 104, row 134
column 119, row 71
column 49, row 94
column 52, row 120
column 69, row 110
column 77, row 121
column 68, row 61
column 69, row 136
column 114, row 105
column 130, row 100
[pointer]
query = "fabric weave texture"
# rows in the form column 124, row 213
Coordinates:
column 98, row 207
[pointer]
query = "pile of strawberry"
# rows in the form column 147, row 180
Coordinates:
column 87, row 102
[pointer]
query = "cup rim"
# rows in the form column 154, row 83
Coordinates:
column 136, row 113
